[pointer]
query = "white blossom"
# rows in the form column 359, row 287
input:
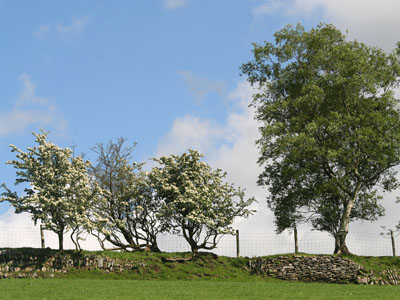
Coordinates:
column 197, row 202
column 59, row 192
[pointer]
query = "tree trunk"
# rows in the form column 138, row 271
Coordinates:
column 195, row 249
column 61, row 240
column 152, row 241
column 189, row 238
column 340, row 243
column 340, row 237
column 296, row 241
column 76, row 242
column 154, row 247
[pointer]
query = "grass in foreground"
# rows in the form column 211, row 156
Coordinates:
column 186, row 290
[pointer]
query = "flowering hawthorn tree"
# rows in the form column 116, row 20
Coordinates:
column 59, row 192
column 196, row 200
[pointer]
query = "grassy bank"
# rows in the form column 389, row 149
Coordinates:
column 179, row 266
column 156, row 266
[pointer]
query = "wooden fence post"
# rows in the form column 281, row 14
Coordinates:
column 237, row 244
column 42, row 236
column 393, row 245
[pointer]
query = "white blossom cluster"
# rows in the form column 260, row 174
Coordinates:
column 197, row 201
column 59, row 192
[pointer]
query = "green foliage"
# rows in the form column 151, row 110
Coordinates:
column 197, row 201
column 330, row 127
column 58, row 192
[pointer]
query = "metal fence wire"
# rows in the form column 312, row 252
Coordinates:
column 251, row 244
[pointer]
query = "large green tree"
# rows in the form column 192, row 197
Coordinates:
column 330, row 127
column 197, row 202
column 58, row 192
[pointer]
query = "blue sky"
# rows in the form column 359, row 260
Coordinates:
column 163, row 73
column 123, row 69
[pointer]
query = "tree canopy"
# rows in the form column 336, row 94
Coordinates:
column 330, row 127
column 126, row 212
column 196, row 201
column 58, row 192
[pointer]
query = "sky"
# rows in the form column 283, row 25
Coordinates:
column 162, row 73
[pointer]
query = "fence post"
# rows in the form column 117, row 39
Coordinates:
column 237, row 244
column 42, row 236
column 393, row 245
column 296, row 241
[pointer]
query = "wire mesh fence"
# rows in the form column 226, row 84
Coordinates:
column 251, row 244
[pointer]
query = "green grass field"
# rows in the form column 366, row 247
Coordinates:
column 186, row 290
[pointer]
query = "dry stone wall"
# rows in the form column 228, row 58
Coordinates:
column 36, row 264
column 331, row 269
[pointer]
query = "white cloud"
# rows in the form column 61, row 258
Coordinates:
column 370, row 21
column 65, row 31
column 12, row 220
column 287, row 7
column 42, row 30
column 207, row 135
column 199, row 86
column 74, row 28
column 172, row 4
column 192, row 132
column 29, row 109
